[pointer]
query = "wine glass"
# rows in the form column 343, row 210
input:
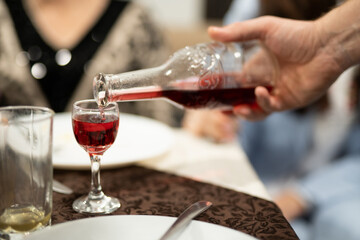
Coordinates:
column 95, row 130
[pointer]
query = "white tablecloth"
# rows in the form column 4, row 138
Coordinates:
column 224, row 165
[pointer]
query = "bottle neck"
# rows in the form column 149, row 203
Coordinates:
column 129, row 86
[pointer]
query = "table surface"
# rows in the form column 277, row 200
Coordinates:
column 222, row 164
column 194, row 169
column 144, row 191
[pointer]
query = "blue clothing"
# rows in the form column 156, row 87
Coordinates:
column 335, row 193
column 283, row 139
column 277, row 146
column 241, row 10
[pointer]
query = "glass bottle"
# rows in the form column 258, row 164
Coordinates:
column 206, row 75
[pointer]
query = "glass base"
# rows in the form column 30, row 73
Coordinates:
column 19, row 235
column 103, row 205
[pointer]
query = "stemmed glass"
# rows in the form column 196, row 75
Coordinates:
column 95, row 130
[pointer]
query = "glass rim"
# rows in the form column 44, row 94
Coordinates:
column 43, row 113
column 111, row 105
column 27, row 107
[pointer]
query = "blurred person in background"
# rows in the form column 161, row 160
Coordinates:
column 308, row 158
column 51, row 50
column 241, row 10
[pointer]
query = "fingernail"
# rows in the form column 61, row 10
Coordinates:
column 214, row 28
column 229, row 129
column 241, row 110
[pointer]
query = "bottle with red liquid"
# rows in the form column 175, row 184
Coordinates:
column 207, row 75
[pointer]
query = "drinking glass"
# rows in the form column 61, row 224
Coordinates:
column 95, row 130
column 26, row 171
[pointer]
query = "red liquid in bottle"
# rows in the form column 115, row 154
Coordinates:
column 222, row 98
column 95, row 134
column 214, row 98
column 215, row 91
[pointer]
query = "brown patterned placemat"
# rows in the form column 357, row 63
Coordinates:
column 144, row 191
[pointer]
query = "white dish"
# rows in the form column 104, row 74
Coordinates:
column 133, row 227
column 139, row 138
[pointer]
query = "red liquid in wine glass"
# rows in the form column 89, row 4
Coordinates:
column 93, row 133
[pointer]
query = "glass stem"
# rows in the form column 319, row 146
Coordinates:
column 96, row 191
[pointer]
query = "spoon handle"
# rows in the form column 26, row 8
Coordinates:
column 61, row 188
column 184, row 219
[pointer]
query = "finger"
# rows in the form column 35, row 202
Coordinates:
column 221, row 127
column 263, row 99
column 240, row 31
column 214, row 133
column 192, row 122
column 229, row 127
column 250, row 114
column 266, row 101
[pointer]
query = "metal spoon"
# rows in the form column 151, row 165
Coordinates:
column 184, row 219
column 61, row 188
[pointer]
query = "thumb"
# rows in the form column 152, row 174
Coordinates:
column 241, row 31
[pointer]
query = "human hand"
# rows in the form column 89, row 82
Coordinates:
column 213, row 124
column 291, row 204
column 306, row 67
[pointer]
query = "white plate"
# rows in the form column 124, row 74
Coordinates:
column 139, row 138
column 133, row 227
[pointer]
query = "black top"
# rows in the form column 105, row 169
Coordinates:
column 56, row 81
